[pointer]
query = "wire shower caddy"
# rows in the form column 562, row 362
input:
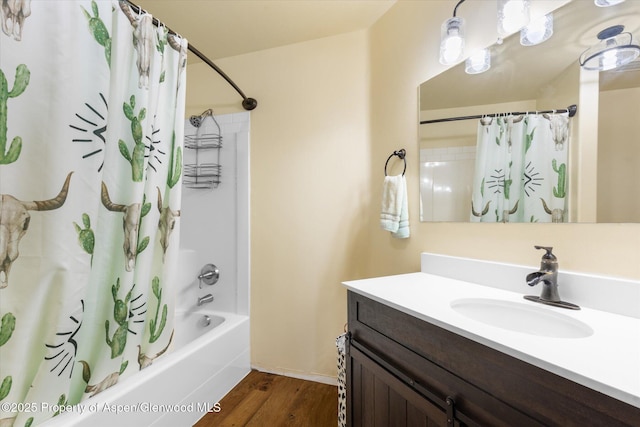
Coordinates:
column 203, row 174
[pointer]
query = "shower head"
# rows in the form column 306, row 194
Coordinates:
column 196, row 121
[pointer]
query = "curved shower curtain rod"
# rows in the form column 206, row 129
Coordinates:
column 247, row 103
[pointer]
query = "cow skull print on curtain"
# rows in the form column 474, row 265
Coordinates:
column 91, row 128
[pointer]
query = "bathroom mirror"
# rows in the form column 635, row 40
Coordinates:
column 604, row 146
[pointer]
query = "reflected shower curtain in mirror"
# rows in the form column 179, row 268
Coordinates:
column 91, row 125
column 521, row 169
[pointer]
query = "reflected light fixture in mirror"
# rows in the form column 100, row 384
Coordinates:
column 615, row 49
column 512, row 16
column 538, row 31
column 478, row 62
column 607, row 3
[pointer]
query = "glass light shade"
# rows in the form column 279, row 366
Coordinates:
column 606, row 3
column 538, row 31
column 616, row 48
column 512, row 16
column 451, row 41
column 478, row 63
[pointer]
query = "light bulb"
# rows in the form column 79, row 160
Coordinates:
column 512, row 15
column 452, row 41
column 537, row 31
column 452, row 48
column 609, row 60
column 479, row 62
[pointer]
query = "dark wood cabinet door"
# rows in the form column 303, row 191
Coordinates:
column 379, row 399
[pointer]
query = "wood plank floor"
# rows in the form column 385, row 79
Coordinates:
column 263, row 399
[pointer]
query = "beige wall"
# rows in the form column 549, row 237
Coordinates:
column 310, row 162
column 330, row 112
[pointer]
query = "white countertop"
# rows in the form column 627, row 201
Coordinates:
column 607, row 361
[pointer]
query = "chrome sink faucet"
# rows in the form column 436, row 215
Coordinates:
column 548, row 276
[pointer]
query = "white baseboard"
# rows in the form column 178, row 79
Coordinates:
column 299, row 375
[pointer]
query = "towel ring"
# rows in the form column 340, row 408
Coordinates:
column 400, row 153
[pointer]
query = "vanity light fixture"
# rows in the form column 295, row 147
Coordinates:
column 478, row 62
column 512, row 16
column 452, row 39
column 538, row 31
column 607, row 3
column 615, row 49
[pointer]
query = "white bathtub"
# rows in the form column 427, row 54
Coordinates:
column 179, row 388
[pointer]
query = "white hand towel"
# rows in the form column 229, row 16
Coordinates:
column 392, row 194
column 403, row 224
column 391, row 203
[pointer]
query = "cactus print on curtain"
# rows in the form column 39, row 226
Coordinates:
column 91, row 128
column 521, row 169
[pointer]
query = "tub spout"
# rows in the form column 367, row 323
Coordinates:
column 205, row 299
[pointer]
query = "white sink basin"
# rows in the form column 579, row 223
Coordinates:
column 521, row 317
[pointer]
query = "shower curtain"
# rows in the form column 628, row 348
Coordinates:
column 521, row 169
column 91, row 127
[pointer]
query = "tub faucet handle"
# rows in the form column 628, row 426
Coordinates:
column 209, row 275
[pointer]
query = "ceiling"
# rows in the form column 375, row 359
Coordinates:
column 225, row 28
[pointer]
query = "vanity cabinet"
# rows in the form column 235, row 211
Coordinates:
column 403, row 371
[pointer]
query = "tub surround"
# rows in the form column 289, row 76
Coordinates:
column 215, row 223
column 607, row 361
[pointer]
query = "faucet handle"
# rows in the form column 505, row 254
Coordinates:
column 209, row 275
column 549, row 256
